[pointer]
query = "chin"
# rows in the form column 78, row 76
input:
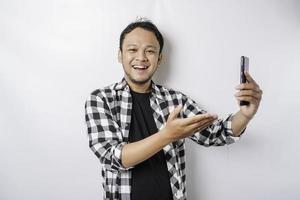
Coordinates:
column 140, row 81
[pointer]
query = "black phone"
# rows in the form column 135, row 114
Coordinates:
column 244, row 67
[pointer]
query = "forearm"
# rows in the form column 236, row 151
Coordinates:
column 239, row 123
column 136, row 152
column 175, row 129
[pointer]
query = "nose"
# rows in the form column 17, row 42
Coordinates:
column 141, row 56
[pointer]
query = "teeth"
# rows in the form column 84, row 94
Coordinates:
column 139, row 67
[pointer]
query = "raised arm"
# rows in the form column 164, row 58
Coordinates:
column 252, row 93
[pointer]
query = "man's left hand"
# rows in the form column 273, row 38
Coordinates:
column 250, row 92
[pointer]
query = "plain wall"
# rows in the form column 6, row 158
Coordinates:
column 54, row 53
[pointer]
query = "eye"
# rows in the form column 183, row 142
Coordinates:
column 150, row 51
column 132, row 50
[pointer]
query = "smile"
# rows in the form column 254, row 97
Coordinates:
column 140, row 67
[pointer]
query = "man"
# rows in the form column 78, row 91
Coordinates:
column 137, row 128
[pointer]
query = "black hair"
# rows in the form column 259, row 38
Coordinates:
column 144, row 24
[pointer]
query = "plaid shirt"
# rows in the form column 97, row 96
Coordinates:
column 108, row 117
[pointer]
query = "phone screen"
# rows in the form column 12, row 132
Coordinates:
column 244, row 67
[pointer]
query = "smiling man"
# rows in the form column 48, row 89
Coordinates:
column 140, row 56
column 137, row 128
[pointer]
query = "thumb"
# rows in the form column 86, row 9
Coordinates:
column 173, row 115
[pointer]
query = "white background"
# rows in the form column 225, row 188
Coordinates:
column 54, row 53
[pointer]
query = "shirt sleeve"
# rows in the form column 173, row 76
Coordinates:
column 218, row 134
column 105, row 137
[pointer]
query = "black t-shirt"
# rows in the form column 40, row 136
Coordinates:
column 150, row 179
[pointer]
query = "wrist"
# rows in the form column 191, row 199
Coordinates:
column 165, row 136
column 245, row 117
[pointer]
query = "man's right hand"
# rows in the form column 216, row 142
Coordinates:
column 175, row 129
column 179, row 128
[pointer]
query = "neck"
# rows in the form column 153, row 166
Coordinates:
column 140, row 88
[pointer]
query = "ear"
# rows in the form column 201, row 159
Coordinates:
column 159, row 58
column 120, row 56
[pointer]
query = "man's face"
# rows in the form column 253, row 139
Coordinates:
column 139, row 56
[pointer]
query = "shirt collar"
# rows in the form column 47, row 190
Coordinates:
column 122, row 85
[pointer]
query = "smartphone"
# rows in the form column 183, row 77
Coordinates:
column 244, row 67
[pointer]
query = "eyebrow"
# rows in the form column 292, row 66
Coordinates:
column 147, row 46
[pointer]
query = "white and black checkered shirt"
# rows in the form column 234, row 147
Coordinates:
column 108, row 117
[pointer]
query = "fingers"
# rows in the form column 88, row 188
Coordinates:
column 183, row 127
column 174, row 114
column 249, row 78
column 251, row 93
column 249, row 99
column 251, row 88
column 198, row 118
column 190, row 120
column 201, row 125
column 251, row 83
column 248, row 86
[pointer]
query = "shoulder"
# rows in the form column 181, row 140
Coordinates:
column 105, row 93
column 104, row 90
